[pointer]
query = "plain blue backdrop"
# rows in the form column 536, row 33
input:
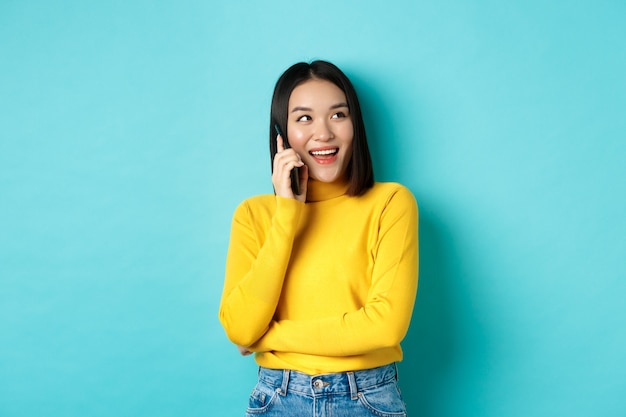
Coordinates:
column 130, row 130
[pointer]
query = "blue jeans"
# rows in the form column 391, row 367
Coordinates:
column 369, row 392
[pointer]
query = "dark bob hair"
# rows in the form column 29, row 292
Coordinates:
column 359, row 173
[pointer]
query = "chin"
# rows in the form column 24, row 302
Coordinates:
column 328, row 177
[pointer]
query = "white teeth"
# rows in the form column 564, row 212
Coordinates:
column 325, row 152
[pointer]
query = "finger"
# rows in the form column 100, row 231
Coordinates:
column 280, row 145
column 283, row 168
column 281, row 177
column 286, row 160
column 291, row 163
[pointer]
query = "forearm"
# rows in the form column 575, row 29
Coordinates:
column 355, row 333
column 384, row 318
column 255, row 270
column 382, row 322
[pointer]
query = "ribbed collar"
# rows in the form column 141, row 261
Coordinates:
column 320, row 191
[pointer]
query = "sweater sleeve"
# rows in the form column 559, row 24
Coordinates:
column 384, row 319
column 255, row 270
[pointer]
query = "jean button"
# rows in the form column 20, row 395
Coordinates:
column 318, row 383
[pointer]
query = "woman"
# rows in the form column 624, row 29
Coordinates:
column 320, row 285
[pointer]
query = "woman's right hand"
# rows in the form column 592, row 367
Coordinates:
column 284, row 161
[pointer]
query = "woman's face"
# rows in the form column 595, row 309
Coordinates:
column 319, row 128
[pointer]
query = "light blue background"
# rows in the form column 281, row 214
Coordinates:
column 130, row 130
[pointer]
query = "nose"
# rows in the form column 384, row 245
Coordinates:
column 323, row 131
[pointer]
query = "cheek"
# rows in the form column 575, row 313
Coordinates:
column 297, row 143
column 348, row 137
column 346, row 132
column 296, row 139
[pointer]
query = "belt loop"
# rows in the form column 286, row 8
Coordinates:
column 353, row 388
column 283, row 387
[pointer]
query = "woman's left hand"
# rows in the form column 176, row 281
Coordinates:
column 244, row 350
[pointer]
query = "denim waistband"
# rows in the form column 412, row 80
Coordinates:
column 333, row 383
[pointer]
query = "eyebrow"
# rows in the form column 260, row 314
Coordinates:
column 334, row 106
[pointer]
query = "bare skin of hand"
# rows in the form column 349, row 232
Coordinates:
column 244, row 350
column 284, row 161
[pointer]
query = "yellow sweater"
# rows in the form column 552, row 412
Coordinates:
column 322, row 286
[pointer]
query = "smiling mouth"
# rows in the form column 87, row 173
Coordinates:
column 325, row 153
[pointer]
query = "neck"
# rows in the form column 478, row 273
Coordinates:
column 320, row 191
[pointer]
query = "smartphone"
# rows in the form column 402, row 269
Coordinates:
column 295, row 173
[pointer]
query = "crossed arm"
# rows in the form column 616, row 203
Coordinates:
column 255, row 274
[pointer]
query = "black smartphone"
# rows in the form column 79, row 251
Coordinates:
column 295, row 173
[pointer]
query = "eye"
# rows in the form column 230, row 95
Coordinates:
column 304, row 118
column 339, row 115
